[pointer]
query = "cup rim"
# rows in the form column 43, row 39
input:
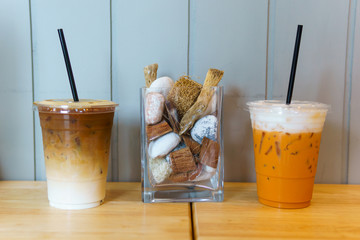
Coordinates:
column 280, row 105
column 83, row 106
column 156, row 88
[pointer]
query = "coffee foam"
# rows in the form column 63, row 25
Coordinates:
column 294, row 118
column 69, row 105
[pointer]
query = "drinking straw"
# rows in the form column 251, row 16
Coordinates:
column 294, row 63
column 68, row 64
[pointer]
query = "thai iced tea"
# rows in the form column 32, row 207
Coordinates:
column 286, row 148
column 76, row 141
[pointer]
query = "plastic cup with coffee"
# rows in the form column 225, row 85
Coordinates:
column 76, row 140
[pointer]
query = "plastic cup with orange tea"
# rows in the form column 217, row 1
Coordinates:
column 76, row 140
column 286, row 146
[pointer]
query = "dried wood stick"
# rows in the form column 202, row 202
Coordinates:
column 197, row 110
column 150, row 73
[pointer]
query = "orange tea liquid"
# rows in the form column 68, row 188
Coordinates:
column 285, row 166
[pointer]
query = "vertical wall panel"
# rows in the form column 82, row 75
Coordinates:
column 321, row 68
column 354, row 153
column 16, row 118
column 231, row 35
column 86, row 26
column 143, row 32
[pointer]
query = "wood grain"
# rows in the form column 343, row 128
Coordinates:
column 157, row 130
column 333, row 214
column 26, row 214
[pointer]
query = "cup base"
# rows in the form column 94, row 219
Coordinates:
column 76, row 194
column 283, row 192
column 182, row 195
column 284, row 204
column 67, row 206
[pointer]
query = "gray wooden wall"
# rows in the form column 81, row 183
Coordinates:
column 111, row 41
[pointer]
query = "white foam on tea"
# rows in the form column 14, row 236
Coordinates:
column 299, row 116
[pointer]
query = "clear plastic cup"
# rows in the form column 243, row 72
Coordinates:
column 76, row 140
column 286, row 147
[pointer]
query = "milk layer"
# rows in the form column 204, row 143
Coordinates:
column 77, row 194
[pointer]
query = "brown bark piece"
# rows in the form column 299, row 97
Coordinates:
column 157, row 130
column 172, row 116
column 179, row 177
column 194, row 174
column 189, row 176
column 182, row 161
column 209, row 153
column 192, row 144
column 150, row 73
column 197, row 159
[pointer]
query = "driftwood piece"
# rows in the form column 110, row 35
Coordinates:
column 150, row 73
column 157, row 130
column 198, row 109
column 192, row 144
column 209, row 153
column 182, row 161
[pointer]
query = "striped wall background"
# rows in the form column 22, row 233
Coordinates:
column 111, row 41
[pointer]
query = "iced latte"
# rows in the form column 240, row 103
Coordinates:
column 76, row 140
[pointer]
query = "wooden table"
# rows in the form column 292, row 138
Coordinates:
column 334, row 213
column 25, row 214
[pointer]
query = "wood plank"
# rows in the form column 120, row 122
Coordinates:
column 333, row 214
column 231, row 35
column 143, row 32
column 354, row 150
column 16, row 128
column 320, row 71
column 86, row 27
column 25, row 213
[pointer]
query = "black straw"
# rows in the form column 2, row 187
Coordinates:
column 294, row 64
column 68, row 65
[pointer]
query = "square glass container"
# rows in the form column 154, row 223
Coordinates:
column 182, row 157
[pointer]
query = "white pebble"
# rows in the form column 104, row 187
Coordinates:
column 209, row 169
column 160, row 169
column 163, row 145
column 205, row 127
column 154, row 107
column 161, row 85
